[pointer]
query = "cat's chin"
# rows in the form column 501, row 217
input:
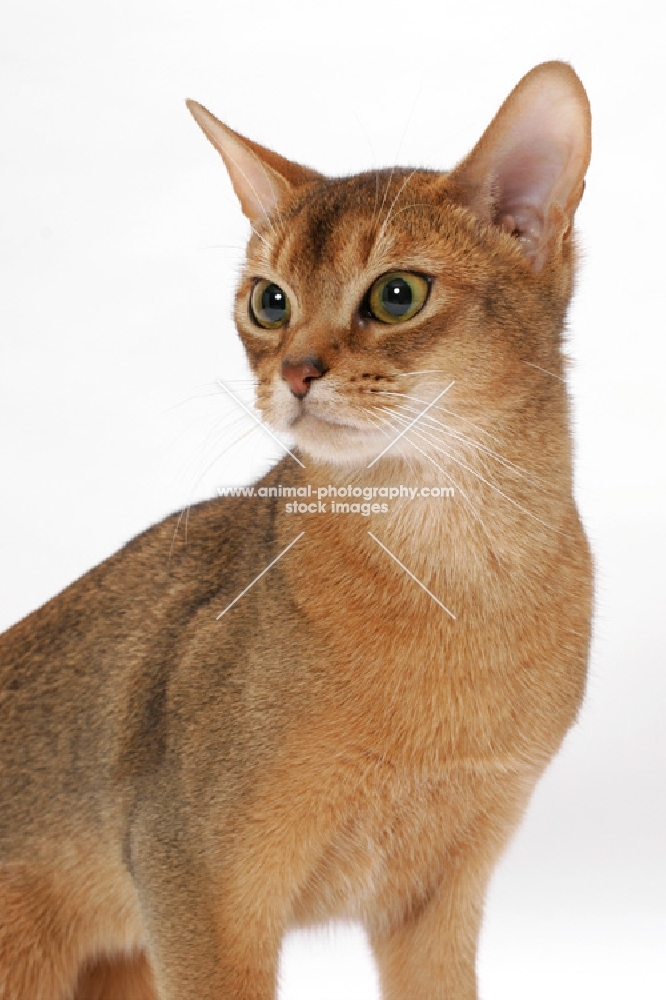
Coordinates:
column 342, row 444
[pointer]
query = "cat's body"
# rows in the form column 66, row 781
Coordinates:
column 352, row 737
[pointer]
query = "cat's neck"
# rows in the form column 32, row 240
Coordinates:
column 470, row 529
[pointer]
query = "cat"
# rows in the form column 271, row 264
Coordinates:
column 332, row 699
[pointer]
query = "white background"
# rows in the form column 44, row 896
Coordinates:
column 119, row 244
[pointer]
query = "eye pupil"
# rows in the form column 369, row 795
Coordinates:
column 273, row 303
column 397, row 297
column 269, row 305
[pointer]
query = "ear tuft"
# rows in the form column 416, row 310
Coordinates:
column 526, row 175
column 261, row 178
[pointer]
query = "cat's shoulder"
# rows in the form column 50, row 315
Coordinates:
column 186, row 559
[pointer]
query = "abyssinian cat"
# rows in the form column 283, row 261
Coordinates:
column 300, row 710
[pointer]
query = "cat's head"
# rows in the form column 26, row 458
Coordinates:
column 363, row 297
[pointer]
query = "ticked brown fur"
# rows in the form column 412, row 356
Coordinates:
column 352, row 738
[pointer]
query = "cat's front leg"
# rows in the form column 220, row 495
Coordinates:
column 199, row 954
column 430, row 954
column 203, row 941
column 428, row 950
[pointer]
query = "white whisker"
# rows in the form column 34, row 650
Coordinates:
column 486, row 482
column 461, row 491
column 510, row 466
column 262, row 238
column 444, row 409
column 219, row 454
column 397, row 155
column 421, row 414
column 254, row 190
column 406, row 208
column 260, row 422
column 388, row 214
column 373, row 158
column 205, row 395
column 375, row 417
column 275, row 198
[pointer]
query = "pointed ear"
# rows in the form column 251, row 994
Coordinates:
column 260, row 178
column 527, row 173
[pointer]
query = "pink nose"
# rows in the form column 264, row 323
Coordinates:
column 299, row 374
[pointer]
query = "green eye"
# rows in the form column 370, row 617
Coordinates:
column 397, row 297
column 269, row 305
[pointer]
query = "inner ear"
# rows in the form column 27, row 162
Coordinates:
column 261, row 178
column 526, row 175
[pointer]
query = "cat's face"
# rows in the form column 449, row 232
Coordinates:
column 366, row 295
column 362, row 299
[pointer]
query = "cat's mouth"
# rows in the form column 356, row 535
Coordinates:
column 329, row 421
column 334, row 437
column 328, row 428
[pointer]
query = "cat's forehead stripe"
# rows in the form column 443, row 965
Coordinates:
column 347, row 218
